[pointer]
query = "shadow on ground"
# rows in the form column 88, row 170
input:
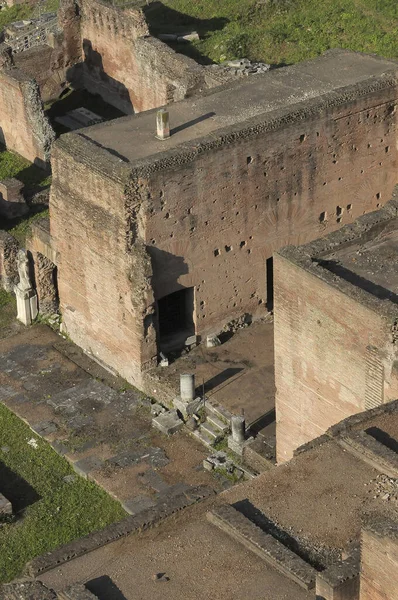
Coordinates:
column 163, row 19
column 104, row 589
column 18, row 491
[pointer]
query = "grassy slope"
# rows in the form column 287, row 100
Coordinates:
column 65, row 511
column 8, row 309
column 288, row 31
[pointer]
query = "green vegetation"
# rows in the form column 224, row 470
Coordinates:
column 20, row 12
column 14, row 165
column 58, row 511
column 7, row 308
column 21, row 230
column 281, row 31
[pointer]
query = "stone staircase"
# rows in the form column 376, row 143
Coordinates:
column 215, row 426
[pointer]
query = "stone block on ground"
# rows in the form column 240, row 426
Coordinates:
column 168, row 422
column 136, row 505
column 5, row 506
column 86, row 465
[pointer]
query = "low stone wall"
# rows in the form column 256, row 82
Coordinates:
column 24, row 128
column 135, row 523
column 8, row 261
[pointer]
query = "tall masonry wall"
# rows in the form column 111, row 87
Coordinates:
column 333, row 356
column 379, row 563
column 125, row 65
column 24, row 127
column 213, row 222
column 102, row 283
column 208, row 214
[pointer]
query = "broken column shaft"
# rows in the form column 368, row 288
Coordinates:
column 187, row 386
column 238, row 429
column 162, row 124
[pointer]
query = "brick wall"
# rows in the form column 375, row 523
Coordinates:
column 379, row 566
column 210, row 223
column 214, row 222
column 127, row 67
column 326, row 345
column 23, row 125
column 8, row 261
column 102, row 285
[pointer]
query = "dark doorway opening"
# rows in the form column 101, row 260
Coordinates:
column 270, row 283
column 175, row 318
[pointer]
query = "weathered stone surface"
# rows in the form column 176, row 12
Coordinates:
column 168, row 422
column 141, row 521
column 264, row 545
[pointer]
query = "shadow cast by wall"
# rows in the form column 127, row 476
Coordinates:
column 16, row 489
column 163, row 19
column 90, row 74
column 104, row 588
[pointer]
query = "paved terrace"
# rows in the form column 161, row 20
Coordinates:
column 261, row 99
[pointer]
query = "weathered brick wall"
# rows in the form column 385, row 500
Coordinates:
column 127, row 67
column 103, row 283
column 326, row 344
column 209, row 222
column 8, row 261
column 379, row 565
column 213, row 223
column 23, row 125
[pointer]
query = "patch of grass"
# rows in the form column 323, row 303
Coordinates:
column 21, row 230
column 20, row 12
column 63, row 512
column 282, row 31
column 14, row 165
column 8, row 309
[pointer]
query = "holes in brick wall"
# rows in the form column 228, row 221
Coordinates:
column 369, row 145
column 167, row 216
column 317, row 134
column 216, row 252
column 340, row 178
column 325, row 183
column 242, row 244
column 249, row 251
column 362, row 171
column 192, row 229
column 189, row 211
column 378, row 195
column 249, row 160
column 228, row 248
column 222, row 218
column 349, row 207
column 323, row 217
column 153, row 241
column 339, row 211
column 387, row 149
column 171, row 235
column 302, row 138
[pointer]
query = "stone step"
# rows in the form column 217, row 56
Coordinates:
column 235, row 524
column 217, row 423
column 204, row 437
column 210, row 430
column 213, row 408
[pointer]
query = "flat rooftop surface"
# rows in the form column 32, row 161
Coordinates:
column 371, row 265
column 133, row 137
column 320, row 496
column 201, row 562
